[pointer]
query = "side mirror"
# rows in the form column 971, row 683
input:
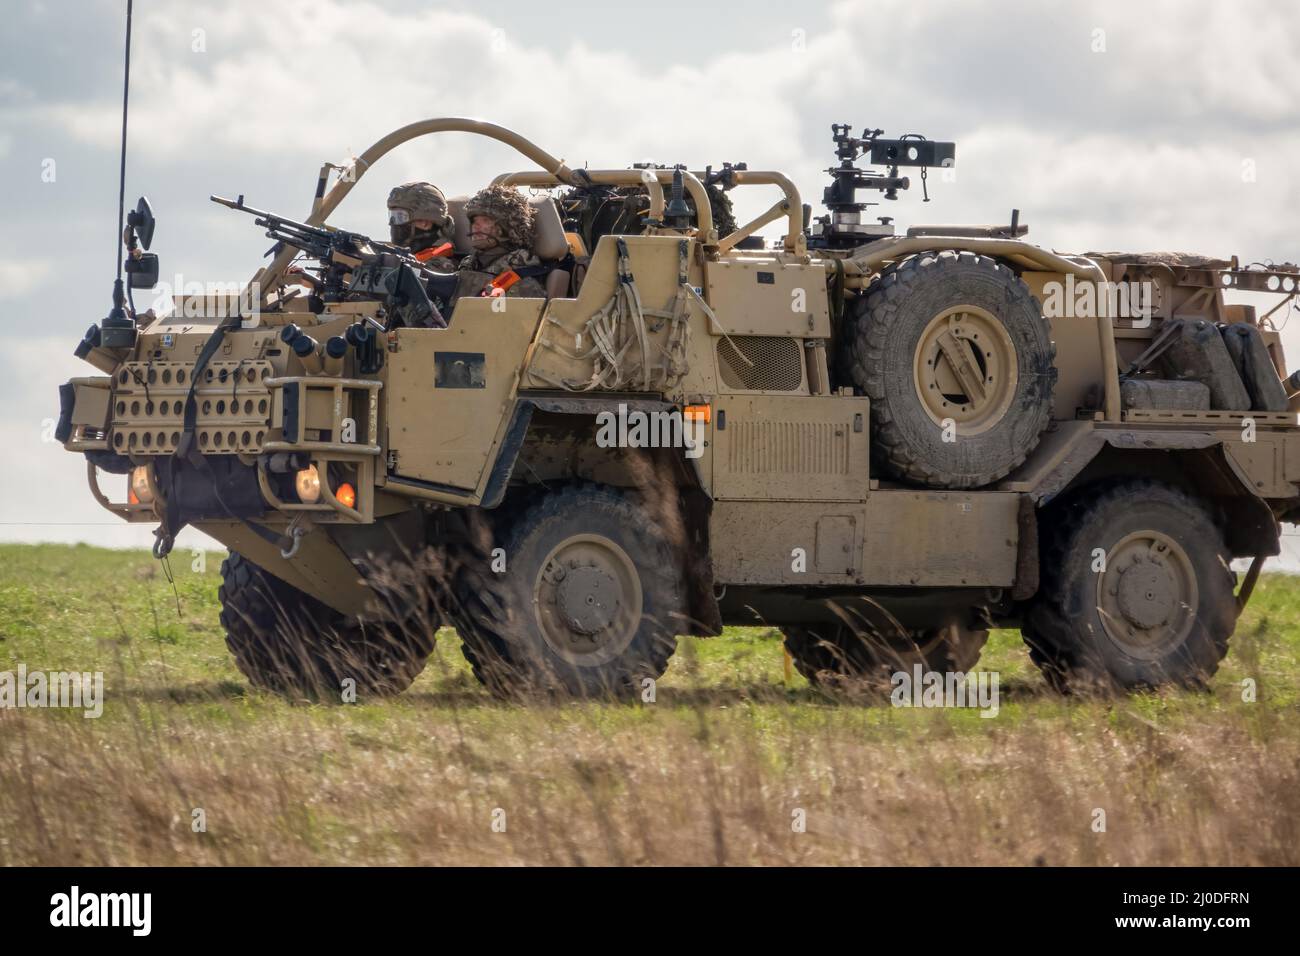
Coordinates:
column 142, row 271
column 141, row 268
column 142, row 221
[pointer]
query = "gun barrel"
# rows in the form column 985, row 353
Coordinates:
column 238, row 204
column 270, row 219
column 316, row 241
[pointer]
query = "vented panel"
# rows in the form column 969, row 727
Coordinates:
column 777, row 362
column 788, row 448
column 791, row 448
column 232, row 401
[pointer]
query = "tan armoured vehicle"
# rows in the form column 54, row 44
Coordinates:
column 883, row 443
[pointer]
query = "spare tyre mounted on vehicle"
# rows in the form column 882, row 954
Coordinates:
column 955, row 354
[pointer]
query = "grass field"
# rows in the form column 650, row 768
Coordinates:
column 733, row 763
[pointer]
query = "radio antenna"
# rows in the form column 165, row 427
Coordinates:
column 118, row 329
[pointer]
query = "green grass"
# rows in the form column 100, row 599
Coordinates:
column 714, row 771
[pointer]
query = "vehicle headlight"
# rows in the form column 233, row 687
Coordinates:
column 142, row 485
column 307, row 483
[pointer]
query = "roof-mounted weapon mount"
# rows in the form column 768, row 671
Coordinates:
column 843, row 227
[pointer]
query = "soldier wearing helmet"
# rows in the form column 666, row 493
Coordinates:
column 501, row 233
column 418, row 220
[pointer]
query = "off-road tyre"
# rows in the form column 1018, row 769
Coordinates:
column 1158, row 611
column 902, row 332
column 525, row 632
column 287, row 642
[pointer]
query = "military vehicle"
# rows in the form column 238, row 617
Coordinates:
column 882, row 442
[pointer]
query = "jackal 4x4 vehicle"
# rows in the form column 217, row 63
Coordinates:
column 883, row 444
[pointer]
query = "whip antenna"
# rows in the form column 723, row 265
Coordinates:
column 118, row 329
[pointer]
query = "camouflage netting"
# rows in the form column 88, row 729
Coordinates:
column 603, row 210
column 510, row 209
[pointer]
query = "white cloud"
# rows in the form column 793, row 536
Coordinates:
column 1044, row 122
column 21, row 277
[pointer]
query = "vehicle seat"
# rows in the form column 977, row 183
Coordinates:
column 549, row 241
column 550, row 244
column 460, row 236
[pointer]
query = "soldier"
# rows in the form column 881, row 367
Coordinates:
column 501, row 232
column 418, row 220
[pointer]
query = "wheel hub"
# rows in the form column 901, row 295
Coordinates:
column 1147, row 594
column 588, row 599
column 965, row 369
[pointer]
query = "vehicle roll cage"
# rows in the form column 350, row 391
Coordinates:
column 553, row 172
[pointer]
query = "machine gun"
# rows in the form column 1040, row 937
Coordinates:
column 843, row 227
column 356, row 265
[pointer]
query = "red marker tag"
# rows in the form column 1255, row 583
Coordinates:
column 499, row 285
column 433, row 252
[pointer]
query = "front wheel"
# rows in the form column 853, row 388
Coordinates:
column 1136, row 590
column 287, row 642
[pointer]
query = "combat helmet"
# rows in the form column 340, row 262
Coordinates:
column 419, row 200
column 509, row 209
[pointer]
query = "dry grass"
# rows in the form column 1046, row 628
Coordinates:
column 714, row 772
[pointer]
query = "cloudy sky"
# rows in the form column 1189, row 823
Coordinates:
column 1151, row 125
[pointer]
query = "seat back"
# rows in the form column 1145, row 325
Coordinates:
column 460, row 237
column 549, row 241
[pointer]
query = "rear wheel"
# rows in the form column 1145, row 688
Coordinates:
column 1136, row 591
column 287, row 642
column 582, row 599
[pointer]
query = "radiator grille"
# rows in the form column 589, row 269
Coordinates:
column 777, row 362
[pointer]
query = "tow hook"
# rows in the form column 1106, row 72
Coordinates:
column 299, row 526
column 162, row 544
column 296, row 531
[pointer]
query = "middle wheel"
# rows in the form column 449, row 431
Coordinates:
column 584, row 598
column 832, row 654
